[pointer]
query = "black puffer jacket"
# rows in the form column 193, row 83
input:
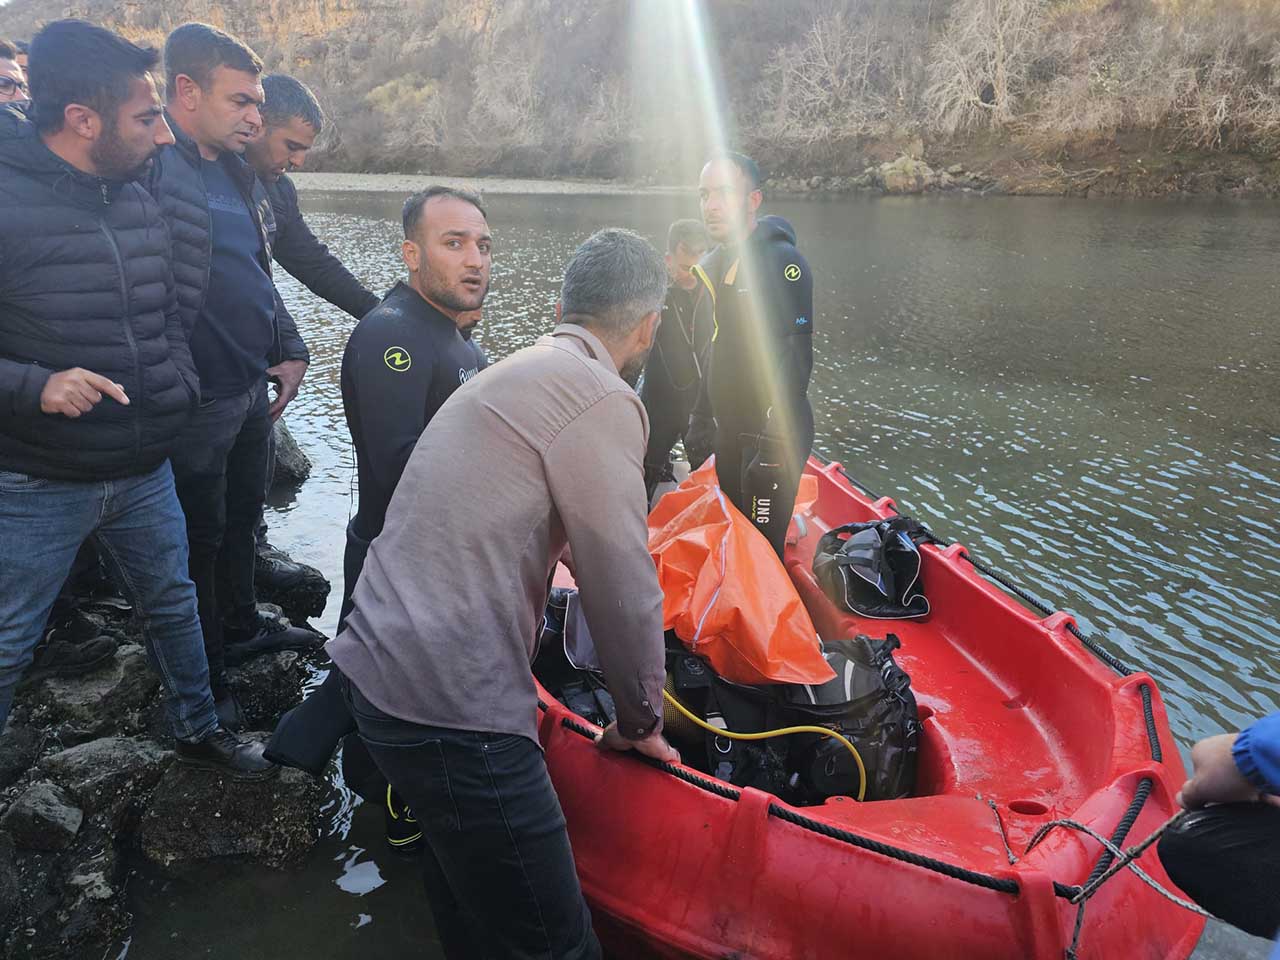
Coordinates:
column 176, row 182
column 85, row 282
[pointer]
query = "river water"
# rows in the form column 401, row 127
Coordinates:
column 1084, row 393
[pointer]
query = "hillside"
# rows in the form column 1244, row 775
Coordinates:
column 1115, row 96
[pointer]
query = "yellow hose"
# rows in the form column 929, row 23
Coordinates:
column 768, row 734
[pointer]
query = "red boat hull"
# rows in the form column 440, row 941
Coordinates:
column 1016, row 714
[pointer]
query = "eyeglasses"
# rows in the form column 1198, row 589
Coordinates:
column 8, row 85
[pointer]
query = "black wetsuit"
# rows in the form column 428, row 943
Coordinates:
column 761, row 358
column 403, row 361
column 673, row 375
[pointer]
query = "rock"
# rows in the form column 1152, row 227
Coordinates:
column 93, row 911
column 906, row 176
column 10, row 886
column 267, row 686
column 956, row 170
column 19, row 747
column 292, row 465
column 104, row 701
column 299, row 601
column 43, row 818
column 196, row 817
column 102, row 773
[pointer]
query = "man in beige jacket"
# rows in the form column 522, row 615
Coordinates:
column 544, row 451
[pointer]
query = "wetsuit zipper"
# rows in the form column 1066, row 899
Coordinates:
column 136, row 415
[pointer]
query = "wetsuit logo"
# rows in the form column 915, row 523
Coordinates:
column 398, row 359
column 464, row 375
column 792, row 272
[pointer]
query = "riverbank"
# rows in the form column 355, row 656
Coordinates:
column 1114, row 169
column 90, row 790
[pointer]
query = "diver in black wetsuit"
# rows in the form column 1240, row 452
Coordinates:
column 753, row 412
column 673, row 373
column 409, row 354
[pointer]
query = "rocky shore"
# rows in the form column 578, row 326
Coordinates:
column 89, row 787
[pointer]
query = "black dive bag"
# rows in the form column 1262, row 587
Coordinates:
column 869, row 702
column 873, row 569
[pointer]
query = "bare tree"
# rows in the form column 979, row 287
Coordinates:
column 981, row 64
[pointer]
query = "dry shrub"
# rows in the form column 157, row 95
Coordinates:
column 981, row 66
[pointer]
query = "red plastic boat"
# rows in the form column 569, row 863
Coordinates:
column 1017, row 713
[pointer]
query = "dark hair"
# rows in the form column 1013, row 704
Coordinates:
column 286, row 98
column 616, row 279
column 691, row 233
column 8, row 50
column 23, row 46
column 413, row 207
column 197, row 49
column 60, row 57
column 746, row 166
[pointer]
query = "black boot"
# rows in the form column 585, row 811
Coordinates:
column 267, row 636
column 223, row 752
column 274, row 571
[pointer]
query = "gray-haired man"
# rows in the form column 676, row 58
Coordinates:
column 545, row 450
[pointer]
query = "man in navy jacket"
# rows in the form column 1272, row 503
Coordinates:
column 1226, row 852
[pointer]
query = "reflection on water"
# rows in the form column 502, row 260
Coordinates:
column 1082, row 393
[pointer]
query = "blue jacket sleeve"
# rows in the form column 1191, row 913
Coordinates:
column 1257, row 754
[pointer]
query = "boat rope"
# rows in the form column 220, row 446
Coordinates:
column 1115, row 858
column 1121, row 859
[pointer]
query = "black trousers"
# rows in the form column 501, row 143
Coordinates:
column 734, row 452
column 219, row 469
column 498, row 869
column 1227, row 859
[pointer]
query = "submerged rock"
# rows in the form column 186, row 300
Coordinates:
column 43, row 818
column 292, row 465
column 197, row 816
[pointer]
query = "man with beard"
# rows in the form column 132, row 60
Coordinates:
column 222, row 228
column 753, row 412
column 96, row 379
column 544, row 451
column 292, row 120
column 408, row 356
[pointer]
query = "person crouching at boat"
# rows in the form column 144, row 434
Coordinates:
column 753, row 411
column 544, row 451
column 1226, row 853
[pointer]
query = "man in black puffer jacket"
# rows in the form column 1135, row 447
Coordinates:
column 96, row 379
column 222, row 226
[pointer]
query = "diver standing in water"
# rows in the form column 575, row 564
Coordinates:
column 753, row 412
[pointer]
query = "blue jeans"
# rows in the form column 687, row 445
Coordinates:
column 498, row 868
column 220, row 469
column 139, row 529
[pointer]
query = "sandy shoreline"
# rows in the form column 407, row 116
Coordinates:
column 407, row 183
